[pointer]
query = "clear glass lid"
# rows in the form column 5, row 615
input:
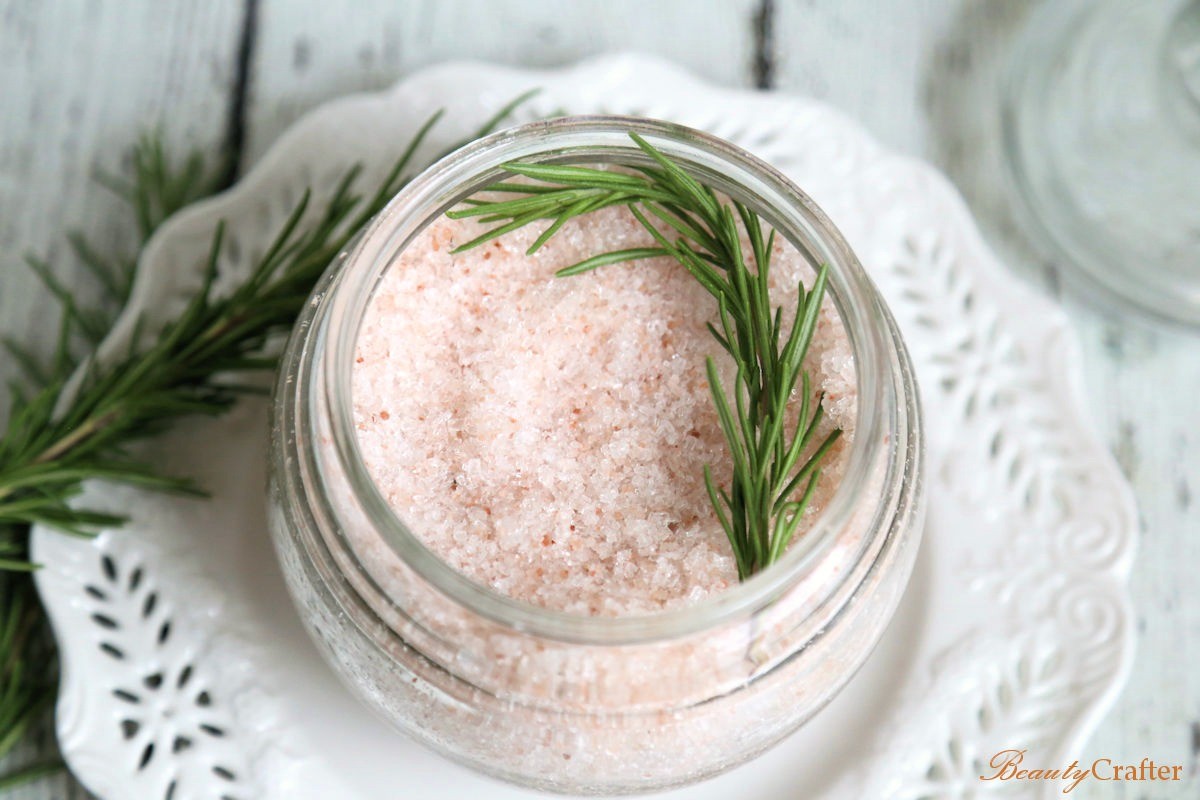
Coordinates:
column 1102, row 139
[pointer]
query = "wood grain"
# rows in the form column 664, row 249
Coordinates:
column 867, row 57
column 312, row 51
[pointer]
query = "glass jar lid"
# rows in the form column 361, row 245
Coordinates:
column 1101, row 126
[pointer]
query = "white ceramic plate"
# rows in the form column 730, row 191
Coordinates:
column 186, row 673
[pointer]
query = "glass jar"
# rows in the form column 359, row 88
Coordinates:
column 565, row 702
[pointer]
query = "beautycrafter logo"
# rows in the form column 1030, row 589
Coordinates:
column 1007, row 765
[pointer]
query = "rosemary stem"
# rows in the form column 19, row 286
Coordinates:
column 90, row 427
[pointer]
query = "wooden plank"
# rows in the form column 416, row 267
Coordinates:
column 1144, row 384
column 80, row 81
column 313, row 50
column 867, row 57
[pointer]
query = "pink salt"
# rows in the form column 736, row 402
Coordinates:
column 546, row 436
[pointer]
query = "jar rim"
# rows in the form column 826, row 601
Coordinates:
column 881, row 364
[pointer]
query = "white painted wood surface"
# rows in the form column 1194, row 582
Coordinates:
column 303, row 58
column 79, row 80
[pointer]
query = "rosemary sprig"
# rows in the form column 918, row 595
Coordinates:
column 28, row 672
column 63, row 431
column 776, row 465
column 46, row 452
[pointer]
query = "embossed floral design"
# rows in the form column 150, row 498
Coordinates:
column 166, row 714
column 1045, row 499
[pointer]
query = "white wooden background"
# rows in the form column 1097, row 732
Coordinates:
column 80, row 79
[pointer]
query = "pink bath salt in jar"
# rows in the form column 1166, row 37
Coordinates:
column 487, row 487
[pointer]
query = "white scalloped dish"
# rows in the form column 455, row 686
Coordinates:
column 188, row 675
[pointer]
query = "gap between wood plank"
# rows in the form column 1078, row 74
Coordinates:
column 764, row 45
column 235, row 124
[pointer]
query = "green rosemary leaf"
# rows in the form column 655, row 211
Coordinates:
column 806, row 325
column 721, row 340
column 546, row 205
column 678, row 219
column 272, row 259
column 551, row 229
column 716, row 285
column 108, row 276
column 809, row 467
column 519, row 222
column 509, row 188
column 795, row 514
column 493, row 122
column 614, row 257
column 53, row 472
column 725, row 415
column 684, row 183
column 33, row 371
column 718, row 504
column 579, row 177
column 86, row 323
column 388, row 186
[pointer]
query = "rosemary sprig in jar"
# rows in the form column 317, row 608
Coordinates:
column 770, row 486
